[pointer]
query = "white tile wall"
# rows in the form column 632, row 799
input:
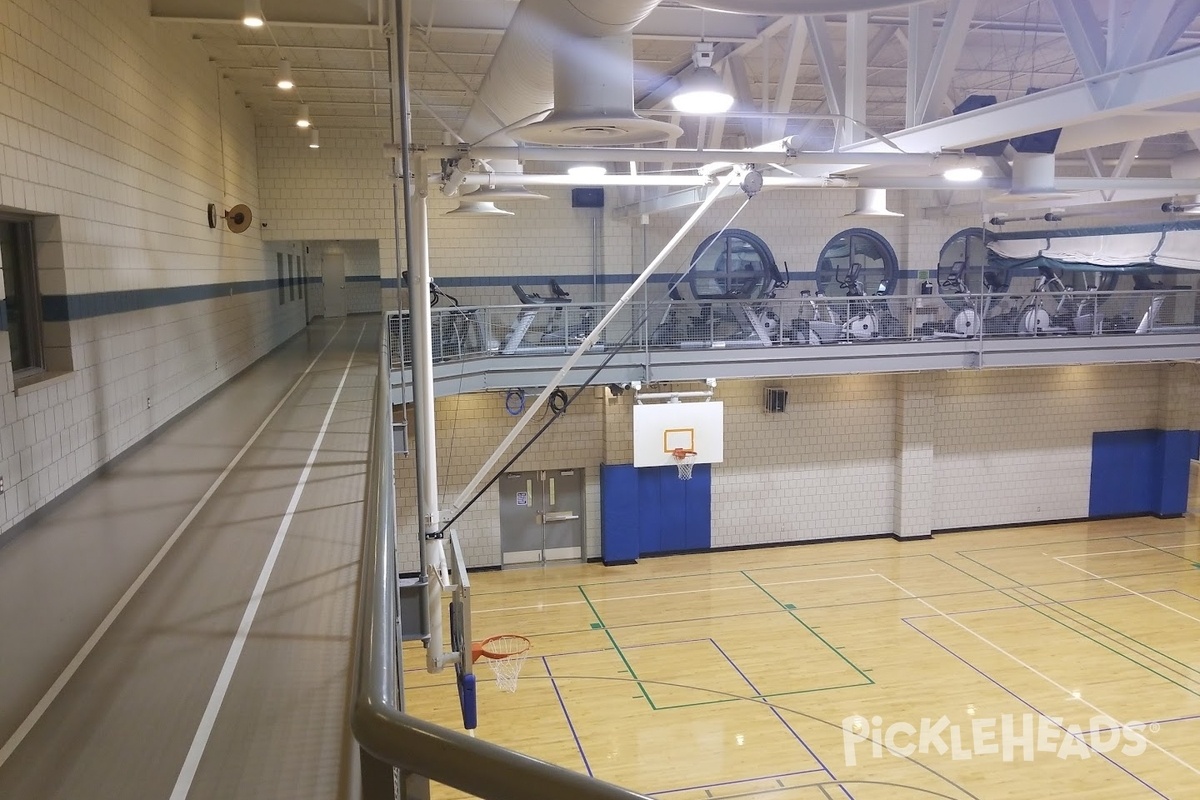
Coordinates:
column 124, row 130
column 1015, row 445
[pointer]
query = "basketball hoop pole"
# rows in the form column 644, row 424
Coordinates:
column 735, row 175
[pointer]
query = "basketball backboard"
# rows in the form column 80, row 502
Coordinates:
column 660, row 428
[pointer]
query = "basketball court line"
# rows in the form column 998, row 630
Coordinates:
column 1120, row 644
column 1028, row 704
column 1066, row 692
column 1127, row 589
column 191, row 763
column 90, row 644
column 706, row 786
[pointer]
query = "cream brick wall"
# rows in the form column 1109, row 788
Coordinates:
column 1015, row 445
column 821, row 469
column 122, row 129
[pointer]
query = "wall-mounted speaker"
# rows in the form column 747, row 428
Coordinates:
column 775, row 400
column 588, row 197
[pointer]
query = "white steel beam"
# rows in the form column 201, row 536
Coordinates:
column 945, row 58
column 787, row 80
column 856, row 79
column 1167, row 81
column 831, row 74
column 1152, row 30
column 919, row 40
column 1085, row 36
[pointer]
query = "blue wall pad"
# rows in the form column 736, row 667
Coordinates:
column 1140, row 472
column 649, row 510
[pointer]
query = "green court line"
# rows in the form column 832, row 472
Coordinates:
column 617, row 647
column 807, row 627
column 1039, row 610
column 1118, row 633
column 1159, row 549
column 621, row 581
column 1063, row 541
column 975, row 578
column 760, row 696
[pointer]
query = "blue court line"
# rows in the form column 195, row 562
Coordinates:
column 779, row 716
column 567, row 716
column 1149, row 722
column 1033, row 708
column 741, row 780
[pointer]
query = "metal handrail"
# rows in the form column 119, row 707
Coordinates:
column 382, row 729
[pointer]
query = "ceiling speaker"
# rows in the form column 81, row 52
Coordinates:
column 239, row 218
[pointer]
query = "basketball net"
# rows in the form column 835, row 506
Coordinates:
column 684, row 459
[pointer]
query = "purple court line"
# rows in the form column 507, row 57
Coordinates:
column 742, row 780
column 567, row 716
column 1025, row 605
column 779, row 716
column 1148, row 722
column 1033, row 708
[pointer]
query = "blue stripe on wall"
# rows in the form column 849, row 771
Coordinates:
column 64, row 308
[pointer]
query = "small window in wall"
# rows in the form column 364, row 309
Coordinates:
column 857, row 262
column 279, row 277
column 22, row 299
column 963, row 264
column 303, row 274
column 291, row 277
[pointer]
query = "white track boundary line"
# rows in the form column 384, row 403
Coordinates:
column 1066, row 692
column 56, row 688
column 1127, row 589
column 1146, row 549
column 191, row 763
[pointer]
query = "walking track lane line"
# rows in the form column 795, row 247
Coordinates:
column 56, row 688
column 1134, row 592
column 191, row 762
column 1066, row 692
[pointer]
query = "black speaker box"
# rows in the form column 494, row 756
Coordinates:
column 588, row 197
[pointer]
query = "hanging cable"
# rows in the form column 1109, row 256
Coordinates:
column 609, row 356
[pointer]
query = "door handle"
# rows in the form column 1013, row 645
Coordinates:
column 559, row 516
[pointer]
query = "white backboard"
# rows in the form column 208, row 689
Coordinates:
column 659, row 428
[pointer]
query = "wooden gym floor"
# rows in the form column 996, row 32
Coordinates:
column 1054, row 661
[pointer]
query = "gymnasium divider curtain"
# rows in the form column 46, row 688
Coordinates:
column 1177, row 249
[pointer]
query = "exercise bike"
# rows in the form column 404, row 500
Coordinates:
column 558, row 333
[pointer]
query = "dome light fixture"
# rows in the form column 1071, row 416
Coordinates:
column 702, row 91
column 479, row 208
column 302, row 119
column 587, row 171
column 283, row 75
column 963, row 174
column 252, row 16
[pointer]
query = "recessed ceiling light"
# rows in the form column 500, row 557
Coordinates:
column 283, row 76
column 963, row 174
column 252, row 16
column 587, row 171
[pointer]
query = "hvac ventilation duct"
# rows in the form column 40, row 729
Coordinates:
column 871, row 203
column 786, row 7
column 593, row 97
column 1033, row 179
column 547, row 47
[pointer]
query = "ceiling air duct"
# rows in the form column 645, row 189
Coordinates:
column 1032, row 179
column 593, row 97
column 871, row 203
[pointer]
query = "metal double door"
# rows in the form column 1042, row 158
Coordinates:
column 541, row 516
